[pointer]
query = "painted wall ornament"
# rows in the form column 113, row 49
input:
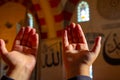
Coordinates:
column 111, row 49
column 109, row 9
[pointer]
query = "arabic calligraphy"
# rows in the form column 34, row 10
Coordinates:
column 115, row 46
column 112, row 48
column 52, row 55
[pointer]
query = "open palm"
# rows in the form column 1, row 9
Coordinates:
column 24, row 49
column 76, row 53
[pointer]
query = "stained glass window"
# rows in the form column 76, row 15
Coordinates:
column 83, row 12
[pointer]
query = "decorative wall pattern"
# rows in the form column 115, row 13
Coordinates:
column 61, row 14
column 109, row 9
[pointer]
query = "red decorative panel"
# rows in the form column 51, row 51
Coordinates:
column 58, row 18
column 54, row 3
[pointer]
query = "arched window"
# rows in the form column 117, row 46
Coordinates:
column 27, row 21
column 30, row 19
column 83, row 12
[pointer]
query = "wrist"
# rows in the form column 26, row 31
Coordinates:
column 77, row 70
column 19, row 73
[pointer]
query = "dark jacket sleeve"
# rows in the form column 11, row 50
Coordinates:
column 80, row 78
column 6, row 78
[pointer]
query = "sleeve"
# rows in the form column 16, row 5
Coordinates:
column 80, row 78
column 6, row 78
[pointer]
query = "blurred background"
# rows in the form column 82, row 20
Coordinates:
column 50, row 17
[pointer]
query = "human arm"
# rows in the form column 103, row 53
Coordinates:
column 77, row 58
column 21, row 59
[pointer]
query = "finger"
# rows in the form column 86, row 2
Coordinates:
column 73, row 33
column 97, row 45
column 25, row 36
column 69, row 33
column 65, row 39
column 19, row 37
column 3, row 49
column 31, row 33
column 33, row 41
column 77, row 34
column 80, row 34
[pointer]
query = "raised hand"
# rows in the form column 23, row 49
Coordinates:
column 22, row 58
column 77, row 57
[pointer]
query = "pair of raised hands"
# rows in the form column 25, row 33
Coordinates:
column 77, row 57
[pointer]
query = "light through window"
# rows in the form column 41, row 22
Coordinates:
column 83, row 12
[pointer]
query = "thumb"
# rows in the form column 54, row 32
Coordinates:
column 3, row 49
column 97, row 45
